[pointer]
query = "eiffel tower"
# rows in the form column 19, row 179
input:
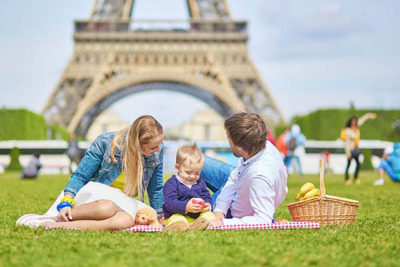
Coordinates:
column 115, row 56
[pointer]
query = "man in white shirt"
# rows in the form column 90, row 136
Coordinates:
column 257, row 186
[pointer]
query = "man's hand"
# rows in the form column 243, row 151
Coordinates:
column 193, row 208
column 215, row 223
column 207, row 207
column 219, row 215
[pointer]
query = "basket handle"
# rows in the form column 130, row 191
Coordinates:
column 321, row 178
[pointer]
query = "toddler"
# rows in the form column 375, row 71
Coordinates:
column 187, row 201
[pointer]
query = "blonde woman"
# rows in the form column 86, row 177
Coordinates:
column 117, row 167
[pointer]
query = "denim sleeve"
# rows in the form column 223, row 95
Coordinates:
column 86, row 168
column 155, row 188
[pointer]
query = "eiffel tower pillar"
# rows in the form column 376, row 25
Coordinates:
column 115, row 56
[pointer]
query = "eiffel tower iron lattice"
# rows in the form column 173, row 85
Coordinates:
column 114, row 56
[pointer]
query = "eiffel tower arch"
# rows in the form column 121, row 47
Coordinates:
column 115, row 56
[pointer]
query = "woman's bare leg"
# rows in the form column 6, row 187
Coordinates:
column 120, row 220
column 381, row 173
column 96, row 210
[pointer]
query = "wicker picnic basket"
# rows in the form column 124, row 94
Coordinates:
column 325, row 209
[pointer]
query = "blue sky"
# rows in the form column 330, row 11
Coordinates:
column 311, row 54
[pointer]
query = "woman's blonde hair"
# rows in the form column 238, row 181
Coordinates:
column 128, row 141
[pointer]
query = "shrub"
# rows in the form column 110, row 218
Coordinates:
column 279, row 129
column 325, row 124
column 59, row 132
column 367, row 164
column 14, row 162
column 21, row 124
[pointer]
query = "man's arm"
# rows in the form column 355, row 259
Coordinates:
column 262, row 195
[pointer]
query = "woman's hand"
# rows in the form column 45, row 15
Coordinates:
column 65, row 215
column 372, row 116
column 207, row 207
column 193, row 208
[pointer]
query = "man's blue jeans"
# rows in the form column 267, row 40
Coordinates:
column 215, row 173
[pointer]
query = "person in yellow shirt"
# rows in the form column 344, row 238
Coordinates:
column 351, row 137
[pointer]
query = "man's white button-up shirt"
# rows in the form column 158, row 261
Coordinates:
column 255, row 188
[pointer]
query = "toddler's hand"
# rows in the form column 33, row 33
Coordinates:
column 207, row 207
column 193, row 208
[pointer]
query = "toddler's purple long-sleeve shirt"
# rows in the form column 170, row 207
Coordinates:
column 177, row 195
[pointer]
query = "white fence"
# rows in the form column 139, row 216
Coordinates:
column 55, row 161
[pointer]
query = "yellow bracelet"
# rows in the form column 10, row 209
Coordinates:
column 68, row 199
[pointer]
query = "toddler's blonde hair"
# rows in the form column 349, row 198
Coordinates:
column 191, row 155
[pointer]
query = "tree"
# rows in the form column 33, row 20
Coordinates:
column 14, row 162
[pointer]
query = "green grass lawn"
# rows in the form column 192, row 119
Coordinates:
column 374, row 240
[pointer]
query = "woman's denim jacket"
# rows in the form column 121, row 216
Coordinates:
column 97, row 166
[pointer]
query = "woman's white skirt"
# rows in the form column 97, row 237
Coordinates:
column 93, row 191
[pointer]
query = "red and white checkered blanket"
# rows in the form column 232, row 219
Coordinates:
column 144, row 228
column 288, row 225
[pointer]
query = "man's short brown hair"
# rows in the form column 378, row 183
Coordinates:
column 248, row 131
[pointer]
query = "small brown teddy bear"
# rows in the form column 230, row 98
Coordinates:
column 147, row 216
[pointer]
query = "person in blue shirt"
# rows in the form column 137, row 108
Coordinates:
column 32, row 170
column 390, row 164
column 295, row 143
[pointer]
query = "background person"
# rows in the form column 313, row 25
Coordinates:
column 390, row 164
column 295, row 146
column 34, row 165
column 271, row 137
column 73, row 152
column 281, row 143
column 351, row 137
